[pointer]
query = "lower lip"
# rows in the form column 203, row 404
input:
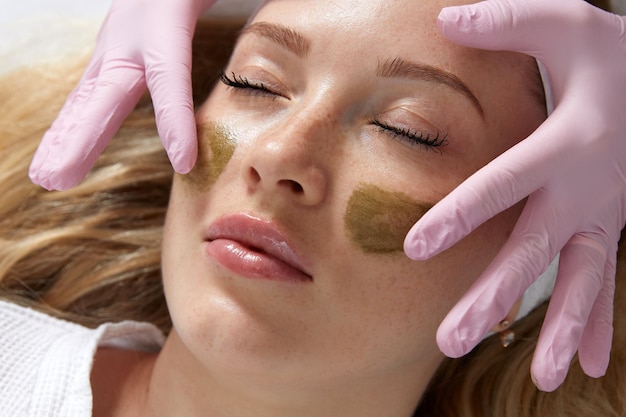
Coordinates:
column 249, row 263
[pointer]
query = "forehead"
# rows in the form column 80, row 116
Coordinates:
column 354, row 30
column 366, row 17
column 351, row 37
column 354, row 13
column 362, row 29
column 366, row 31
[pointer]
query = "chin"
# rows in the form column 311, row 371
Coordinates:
column 233, row 344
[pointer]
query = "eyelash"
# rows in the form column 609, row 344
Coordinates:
column 413, row 137
column 242, row 83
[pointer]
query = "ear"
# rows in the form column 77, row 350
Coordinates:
column 509, row 319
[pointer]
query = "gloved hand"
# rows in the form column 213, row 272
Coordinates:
column 141, row 43
column 573, row 168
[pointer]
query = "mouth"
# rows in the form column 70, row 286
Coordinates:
column 255, row 248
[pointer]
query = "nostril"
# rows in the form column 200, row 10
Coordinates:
column 297, row 188
column 294, row 185
column 254, row 175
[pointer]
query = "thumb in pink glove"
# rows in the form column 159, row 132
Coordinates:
column 141, row 44
column 573, row 170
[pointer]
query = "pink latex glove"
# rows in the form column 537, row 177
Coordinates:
column 141, row 43
column 573, row 170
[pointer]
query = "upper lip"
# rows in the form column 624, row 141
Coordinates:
column 257, row 234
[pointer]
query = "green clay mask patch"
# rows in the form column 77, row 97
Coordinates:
column 215, row 148
column 377, row 220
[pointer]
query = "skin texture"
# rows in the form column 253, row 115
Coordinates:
column 215, row 148
column 359, row 337
column 377, row 220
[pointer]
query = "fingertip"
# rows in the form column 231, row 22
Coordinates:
column 496, row 25
column 450, row 344
column 552, row 358
column 38, row 171
column 594, row 353
column 56, row 167
column 177, row 129
column 545, row 371
column 457, row 334
column 41, row 181
column 597, row 369
column 545, row 375
column 544, row 384
column 36, row 179
column 446, row 16
column 427, row 239
column 182, row 150
column 184, row 163
column 414, row 246
column 453, row 19
column 61, row 179
column 34, row 172
column 66, row 181
column 420, row 245
column 53, row 181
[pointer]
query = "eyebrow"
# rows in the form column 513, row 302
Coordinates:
column 282, row 35
column 390, row 68
column 398, row 67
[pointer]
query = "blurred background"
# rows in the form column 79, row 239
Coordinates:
column 34, row 31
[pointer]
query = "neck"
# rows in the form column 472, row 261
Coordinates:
column 180, row 385
column 119, row 379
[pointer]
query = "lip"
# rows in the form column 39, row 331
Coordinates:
column 255, row 248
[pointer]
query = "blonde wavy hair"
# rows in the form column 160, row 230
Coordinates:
column 92, row 254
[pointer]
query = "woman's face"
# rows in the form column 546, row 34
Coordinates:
column 337, row 125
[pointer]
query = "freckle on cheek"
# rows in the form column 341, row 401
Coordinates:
column 215, row 148
column 378, row 220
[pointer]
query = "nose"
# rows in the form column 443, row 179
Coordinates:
column 291, row 160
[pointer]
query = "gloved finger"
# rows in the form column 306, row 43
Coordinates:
column 71, row 149
column 40, row 170
column 169, row 82
column 497, row 186
column 78, row 97
column 526, row 254
column 595, row 347
column 500, row 24
column 578, row 283
column 532, row 27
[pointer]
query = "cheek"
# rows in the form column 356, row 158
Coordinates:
column 186, row 215
column 216, row 146
column 416, row 296
column 179, row 232
column 377, row 220
column 388, row 303
column 467, row 260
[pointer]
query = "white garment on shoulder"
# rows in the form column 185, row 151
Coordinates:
column 45, row 363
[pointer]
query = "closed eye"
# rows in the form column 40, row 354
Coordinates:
column 242, row 83
column 431, row 141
